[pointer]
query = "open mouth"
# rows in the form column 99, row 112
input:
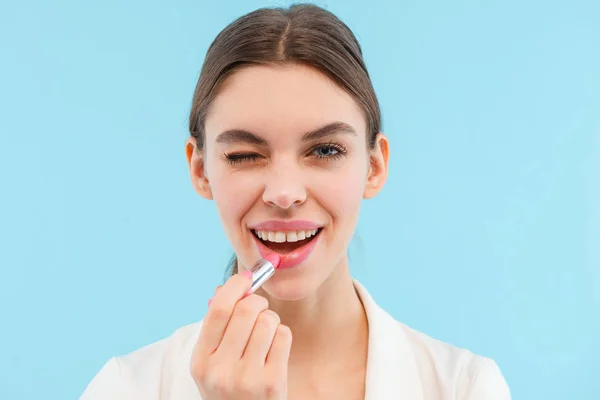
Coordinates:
column 286, row 242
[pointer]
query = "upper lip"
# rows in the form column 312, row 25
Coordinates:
column 283, row 226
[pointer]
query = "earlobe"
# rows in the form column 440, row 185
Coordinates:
column 195, row 160
column 378, row 167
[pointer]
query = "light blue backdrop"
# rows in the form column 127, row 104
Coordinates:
column 487, row 235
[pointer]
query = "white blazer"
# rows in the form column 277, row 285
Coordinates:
column 401, row 364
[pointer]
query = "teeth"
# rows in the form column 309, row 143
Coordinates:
column 292, row 237
column 281, row 237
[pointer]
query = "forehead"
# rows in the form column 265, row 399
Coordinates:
column 275, row 99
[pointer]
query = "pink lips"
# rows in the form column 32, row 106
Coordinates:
column 293, row 258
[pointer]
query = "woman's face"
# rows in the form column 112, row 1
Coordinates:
column 286, row 161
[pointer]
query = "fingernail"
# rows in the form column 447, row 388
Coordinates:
column 247, row 274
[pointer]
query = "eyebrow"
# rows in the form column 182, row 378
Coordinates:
column 241, row 135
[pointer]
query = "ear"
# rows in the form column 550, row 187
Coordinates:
column 378, row 166
column 195, row 159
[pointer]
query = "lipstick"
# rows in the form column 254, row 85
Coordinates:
column 263, row 270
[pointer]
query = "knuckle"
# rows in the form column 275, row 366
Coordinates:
column 247, row 385
column 250, row 306
column 259, row 302
column 268, row 318
column 243, row 310
column 220, row 313
column 198, row 369
column 219, row 381
column 273, row 387
column 211, row 378
column 262, row 301
column 284, row 333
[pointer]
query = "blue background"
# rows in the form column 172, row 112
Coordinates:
column 486, row 236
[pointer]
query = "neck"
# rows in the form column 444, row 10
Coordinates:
column 328, row 323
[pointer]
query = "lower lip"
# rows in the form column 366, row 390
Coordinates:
column 291, row 259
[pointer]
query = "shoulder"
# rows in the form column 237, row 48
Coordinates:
column 448, row 369
column 146, row 373
column 404, row 360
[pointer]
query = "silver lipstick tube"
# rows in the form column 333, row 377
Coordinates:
column 261, row 272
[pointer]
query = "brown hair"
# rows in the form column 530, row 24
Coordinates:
column 304, row 34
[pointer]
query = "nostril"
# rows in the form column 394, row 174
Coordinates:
column 284, row 201
column 284, row 193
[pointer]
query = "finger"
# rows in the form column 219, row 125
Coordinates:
column 279, row 353
column 261, row 337
column 216, row 290
column 240, row 326
column 219, row 312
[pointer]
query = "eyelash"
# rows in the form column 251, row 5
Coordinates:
column 239, row 158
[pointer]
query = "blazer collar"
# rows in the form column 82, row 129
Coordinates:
column 392, row 371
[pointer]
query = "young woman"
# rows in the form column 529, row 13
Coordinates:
column 285, row 138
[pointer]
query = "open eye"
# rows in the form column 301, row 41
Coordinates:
column 328, row 151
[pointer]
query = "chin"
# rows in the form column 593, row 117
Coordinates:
column 294, row 284
column 287, row 289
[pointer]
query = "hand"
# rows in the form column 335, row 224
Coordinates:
column 243, row 350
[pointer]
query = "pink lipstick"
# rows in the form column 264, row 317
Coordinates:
column 263, row 270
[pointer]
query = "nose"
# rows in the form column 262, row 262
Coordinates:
column 284, row 187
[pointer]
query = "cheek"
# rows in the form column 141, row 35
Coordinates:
column 342, row 192
column 234, row 194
